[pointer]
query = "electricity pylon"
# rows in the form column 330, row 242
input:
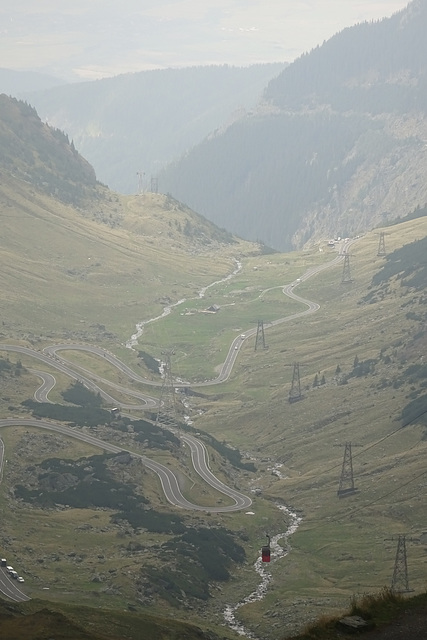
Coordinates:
column 381, row 245
column 346, row 273
column 260, row 336
column 346, row 486
column 295, row 392
column 167, row 413
column 399, row 582
column 140, row 175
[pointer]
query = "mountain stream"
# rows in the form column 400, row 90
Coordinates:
column 133, row 340
column 277, row 553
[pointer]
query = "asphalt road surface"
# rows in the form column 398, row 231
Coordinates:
column 9, row 587
column 167, row 478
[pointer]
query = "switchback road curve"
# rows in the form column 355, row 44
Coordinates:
column 227, row 367
column 167, row 478
column 198, row 450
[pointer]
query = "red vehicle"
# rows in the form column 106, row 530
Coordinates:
column 265, row 551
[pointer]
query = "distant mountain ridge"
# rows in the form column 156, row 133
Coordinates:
column 333, row 144
column 14, row 83
column 130, row 126
column 377, row 67
column 336, row 147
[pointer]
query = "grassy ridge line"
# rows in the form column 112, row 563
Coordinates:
column 42, row 619
column 61, row 268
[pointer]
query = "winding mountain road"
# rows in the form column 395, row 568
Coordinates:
column 198, row 451
column 167, row 478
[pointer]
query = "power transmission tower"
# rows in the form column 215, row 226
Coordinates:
column 337, row 197
column 154, row 188
column 140, row 175
column 295, row 392
column 167, row 413
column 346, row 273
column 399, row 582
column 346, row 486
column 260, row 336
column 381, row 245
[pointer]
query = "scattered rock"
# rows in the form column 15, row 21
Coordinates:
column 355, row 623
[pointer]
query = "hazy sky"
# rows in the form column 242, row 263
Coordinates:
column 95, row 38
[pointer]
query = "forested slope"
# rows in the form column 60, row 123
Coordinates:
column 335, row 147
column 131, row 125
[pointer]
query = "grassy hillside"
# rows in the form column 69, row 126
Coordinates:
column 90, row 274
column 366, row 343
column 42, row 619
column 68, row 271
column 76, row 256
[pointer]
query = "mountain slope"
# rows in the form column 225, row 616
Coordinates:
column 363, row 345
column 386, row 74
column 44, row 619
column 336, row 147
column 107, row 259
column 40, row 155
column 136, row 123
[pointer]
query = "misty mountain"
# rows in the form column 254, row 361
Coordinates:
column 336, row 146
column 16, row 83
column 130, row 126
column 41, row 155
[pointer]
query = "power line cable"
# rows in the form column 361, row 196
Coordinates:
column 355, row 511
column 386, row 495
column 367, row 448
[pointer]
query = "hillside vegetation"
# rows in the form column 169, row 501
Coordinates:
column 40, row 619
column 37, row 154
column 363, row 348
